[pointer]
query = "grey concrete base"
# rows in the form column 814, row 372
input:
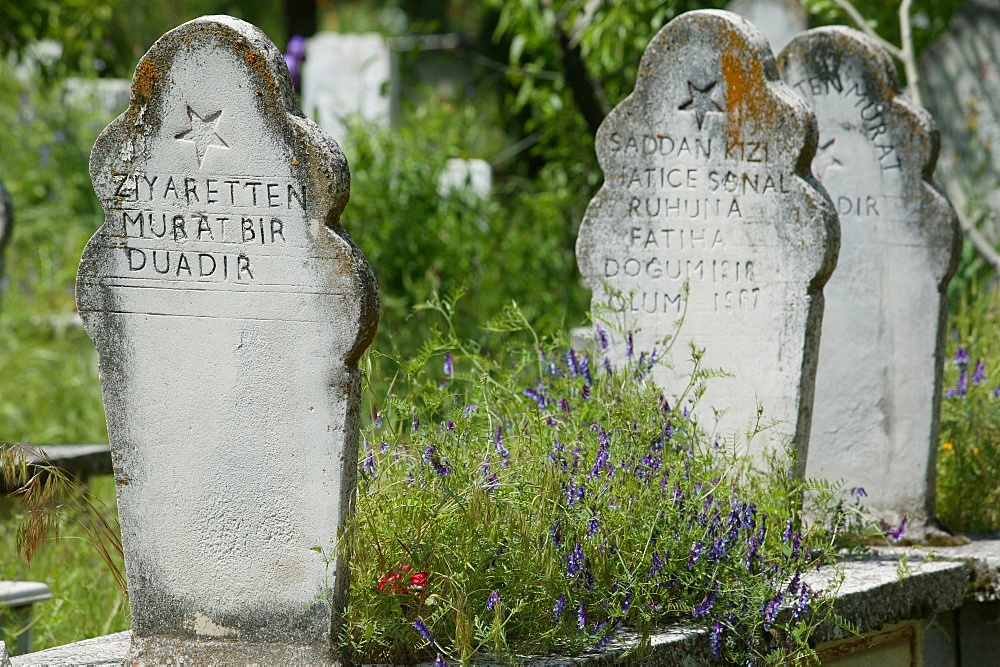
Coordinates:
column 874, row 593
column 171, row 651
column 96, row 652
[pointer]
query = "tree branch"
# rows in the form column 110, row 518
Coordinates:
column 907, row 56
column 979, row 241
column 859, row 20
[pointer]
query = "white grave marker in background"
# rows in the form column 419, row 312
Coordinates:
column 229, row 309
column 345, row 75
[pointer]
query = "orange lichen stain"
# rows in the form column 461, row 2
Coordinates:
column 295, row 162
column 251, row 56
column 746, row 88
column 146, row 75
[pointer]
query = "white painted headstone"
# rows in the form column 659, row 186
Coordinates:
column 474, row 176
column 779, row 20
column 344, row 75
column 229, row 309
column 878, row 386
column 707, row 184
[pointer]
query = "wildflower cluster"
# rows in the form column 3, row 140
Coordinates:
column 968, row 493
column 554, row 501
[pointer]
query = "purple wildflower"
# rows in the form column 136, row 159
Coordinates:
column 498, row 445
column 492, row 601
column 585, row 369
column 980, row 373
column 705, row 605
column 439, row 661
column 573, row 363
column 581, row 617
column 769, row 610
column 787, row 535
column 593, row 527
column 439, row 463
column 961, row 357
column 564, row 405
column 295, row 55
column 607, row 366
column 859, row 492
column 449, row 364
column 695, row 554
column 802, row 604
column 536, row 397
column 558, row 609
column 657, row 565
column 575, row 560
column 585, row 392
column 368, row 465
column 555, row 534
column 895, row 534
column 627, row 602
column 422, row 629
column 628, row 346
column 962, row 387
column 602, row 336
column 384, row 448
column 715, row 640
column 415, row 422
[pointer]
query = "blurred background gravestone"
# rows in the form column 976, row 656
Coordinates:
column 229, row 309
column 878, row 385
column 707, row 188
column 779, row 20
column 960, row 85
column 346, row 75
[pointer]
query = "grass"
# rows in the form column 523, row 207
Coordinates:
column 85, row 600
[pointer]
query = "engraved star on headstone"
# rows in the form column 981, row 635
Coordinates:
column 825, row 159
column 202, row 133
column 701, row 101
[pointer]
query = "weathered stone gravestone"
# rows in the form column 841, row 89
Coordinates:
column 229, row 309
column 707, row 185
column 6, row 229
column 779, row 20
column 344, row 75
column 878, row 386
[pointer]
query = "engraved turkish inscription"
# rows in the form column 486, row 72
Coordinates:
column 204, row 228
column 706, row 215
column 880, row 354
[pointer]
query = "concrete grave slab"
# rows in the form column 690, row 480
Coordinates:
column 229, row 309
column 878, row 387
column 707, row 186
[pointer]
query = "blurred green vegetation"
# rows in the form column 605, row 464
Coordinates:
column 85, row 600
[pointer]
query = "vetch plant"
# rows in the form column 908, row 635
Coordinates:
column 968, row 493
column 549, row 501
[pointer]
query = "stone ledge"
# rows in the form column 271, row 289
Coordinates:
column 875, row 592
column 981, row 555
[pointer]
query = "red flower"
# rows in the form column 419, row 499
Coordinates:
column 401, row 582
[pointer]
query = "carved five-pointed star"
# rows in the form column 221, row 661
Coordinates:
column 701, row 102
column 825, row 159
column 202, row 133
